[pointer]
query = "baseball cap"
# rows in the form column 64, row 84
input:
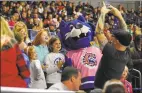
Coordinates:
column 122, row 36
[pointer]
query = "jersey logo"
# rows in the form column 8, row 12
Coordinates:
column 90, row 60
column 57, row 60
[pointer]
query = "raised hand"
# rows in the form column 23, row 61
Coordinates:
column 60, row 64
column 44, row 66
column 117, row 13
column 104, row 9
column 114, row 11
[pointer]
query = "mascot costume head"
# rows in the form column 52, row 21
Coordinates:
column 76, row 36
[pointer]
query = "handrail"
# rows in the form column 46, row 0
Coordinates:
column 139, row 77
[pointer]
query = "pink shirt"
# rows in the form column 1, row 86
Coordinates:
column 127, row 86
column 87, row 60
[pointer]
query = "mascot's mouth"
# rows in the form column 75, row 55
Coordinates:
column 82, row 35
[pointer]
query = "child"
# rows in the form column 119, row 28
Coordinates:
column 37, row 75
column 40, row 42
column 127, row 85
column 54, row 60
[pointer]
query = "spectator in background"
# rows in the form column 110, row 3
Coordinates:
column 30, row 24
column 59, row 19
column 35, row 12
column 52, row 7
column 113, row 86
column 52, row 30
column 121, row 9
column 69, row 9
column 29, row 13
column 136, row 50
column 44, row 17
column 24, row 9
column 24, row 17
column 55, row 21
column 13, row 66
column 50, row 19
column 70, row 80
column 18, row 6
column 14, row 19
column 95, row 14
column 80, row 5
column 127, row 85
column 40, row 9
column 5, row 11
column 63, row 12
column 45, row 20
column 48, row 8
column 38, row 25
column 60, row 6
column 78, row 13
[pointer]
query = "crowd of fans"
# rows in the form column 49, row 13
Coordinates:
column 37, row 15
column 43, row 18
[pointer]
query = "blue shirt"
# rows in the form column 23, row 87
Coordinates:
column 41, row 51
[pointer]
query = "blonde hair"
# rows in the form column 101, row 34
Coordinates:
column 31, row 50
column 18, row 28
column 37, row 41
column 6, row 31
column 112, row 82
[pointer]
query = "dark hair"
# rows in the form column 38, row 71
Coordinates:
column 68, row 72
column 115, row 88
column 51, row 41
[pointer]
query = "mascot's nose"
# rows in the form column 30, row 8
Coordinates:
column 78, row 26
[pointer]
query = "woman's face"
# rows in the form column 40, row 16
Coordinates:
column 50, row 16
column 29, row 12
column 23, row 33
column 44, row 37
column 56, row 46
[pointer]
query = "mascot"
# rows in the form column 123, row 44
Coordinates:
column 76, row 36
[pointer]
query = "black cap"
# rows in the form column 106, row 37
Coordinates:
column 123, row 37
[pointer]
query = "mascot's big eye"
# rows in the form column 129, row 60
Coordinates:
column 71, row 27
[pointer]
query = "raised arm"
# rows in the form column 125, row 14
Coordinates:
column 100, row 27
column 118, row 14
